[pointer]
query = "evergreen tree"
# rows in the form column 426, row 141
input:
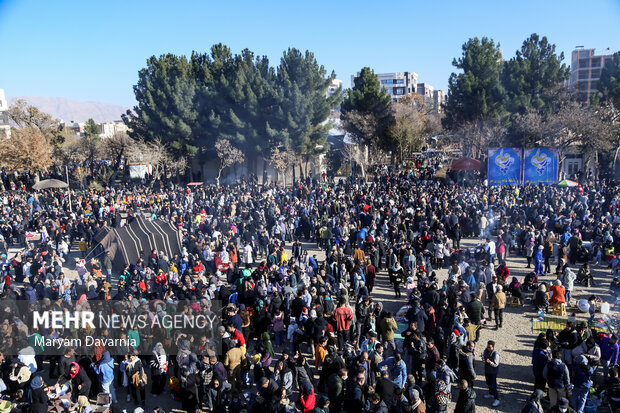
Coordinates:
column 609, row 84
column 477, row 92
column 165, row 93
column 302, row 103
column 91, row 129
column 366, row 111
column 529, row 75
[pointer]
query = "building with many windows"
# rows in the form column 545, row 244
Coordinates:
column 585, row 71
column 425, row 90
column 439, row 98
column 397, row 84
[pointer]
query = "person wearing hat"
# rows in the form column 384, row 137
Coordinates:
column 582, row 375
column 322, row 405
column 562, row 407
column 539, row 262
column 558, row 293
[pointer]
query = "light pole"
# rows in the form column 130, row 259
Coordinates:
column 68, row 188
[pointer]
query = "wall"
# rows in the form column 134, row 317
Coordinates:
column 206, row 170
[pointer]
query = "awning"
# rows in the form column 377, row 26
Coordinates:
column 466, row 164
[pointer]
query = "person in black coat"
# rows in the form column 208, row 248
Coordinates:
column 466, row 403
column 38, row 397
column 80, row 383
column 466, row 363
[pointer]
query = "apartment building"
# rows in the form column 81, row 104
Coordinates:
column 585, row 71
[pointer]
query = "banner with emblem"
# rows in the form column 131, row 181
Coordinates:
column 540, row 166
column 504, row 166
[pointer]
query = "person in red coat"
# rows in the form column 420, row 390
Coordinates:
column 559, row 293
column 308, row 398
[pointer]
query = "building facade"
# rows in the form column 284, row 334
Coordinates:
column 5, row 129
column 425, row 90
column 585, row 71
column 398, row 84
column 439, row 98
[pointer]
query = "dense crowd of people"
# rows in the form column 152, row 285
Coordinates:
column 294, row 331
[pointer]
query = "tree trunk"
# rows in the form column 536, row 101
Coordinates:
column 301, row 169
column 217, row 178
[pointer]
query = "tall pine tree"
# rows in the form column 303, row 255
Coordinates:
column 366, row 111
column 529, row 76
column 477, row 92
column 303, row 105
column 165, row 93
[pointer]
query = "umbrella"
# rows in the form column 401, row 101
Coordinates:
column 568, row 183
column 194, row 183
column 50, row 183
column 466, row 164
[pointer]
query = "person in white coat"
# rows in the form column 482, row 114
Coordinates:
column 248, row 259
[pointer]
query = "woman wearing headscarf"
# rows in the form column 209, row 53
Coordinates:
column 189, row 388
column 159, row 369
column 38, row 397
column 515, row 288
column 266, row 349
column 217, row 396
column 105, row 370
column 135, row 371
column 533, row 404
column 80, row 383
column 308, row 398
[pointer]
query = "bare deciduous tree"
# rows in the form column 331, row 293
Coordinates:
column 281, row 160
column 476, row 137
column 228, row 156
column 408, row 127
column 153, row 153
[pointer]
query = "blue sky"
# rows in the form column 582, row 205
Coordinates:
column 92, row 50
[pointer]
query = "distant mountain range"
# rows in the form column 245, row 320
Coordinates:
column 71, row 110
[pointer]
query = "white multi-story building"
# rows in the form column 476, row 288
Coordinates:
column 106, row 129
column 5, row 129
column 439, row 98
column 397, row 84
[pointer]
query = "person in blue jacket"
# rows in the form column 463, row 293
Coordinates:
column 397, row 368
column 540, row 357
column 582, row 375
column 104, row 368
column 539, row 262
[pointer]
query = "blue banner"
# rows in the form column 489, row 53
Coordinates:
column 540, row 166
column 504, row 166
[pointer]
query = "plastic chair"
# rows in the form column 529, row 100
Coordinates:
column 559, row 309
